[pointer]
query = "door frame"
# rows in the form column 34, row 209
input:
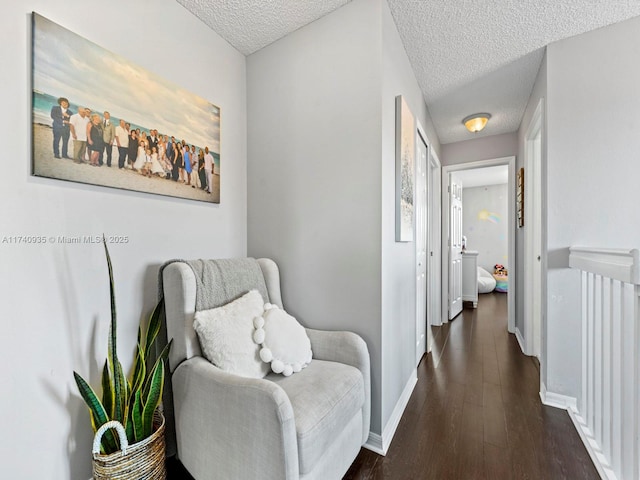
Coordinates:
column 534, row 129
column 423, row 211
column 455, row 304
column 435, row 243
column 511, row 261
column 434, row 287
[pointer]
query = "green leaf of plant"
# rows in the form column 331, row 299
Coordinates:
column 161, row 358
column 128, row 428
column 153, row 329
column 119, row 380
column 107, row 392
column 136, row 416
column 120, row 394
column 98, row 414
column 153, row 400
column 139, row 372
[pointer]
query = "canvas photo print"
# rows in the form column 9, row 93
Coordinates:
column 405, row 170
column 100, row 119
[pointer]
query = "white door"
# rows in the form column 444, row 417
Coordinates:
column 455, row 245
column 533, row 238
column 421, row 248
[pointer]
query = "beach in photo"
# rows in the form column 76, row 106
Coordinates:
column 126, row 178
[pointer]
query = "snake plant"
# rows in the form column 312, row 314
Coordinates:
column 131, row 401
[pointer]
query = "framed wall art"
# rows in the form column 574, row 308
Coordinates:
column 405, row 170
column 100, row 119
column 520, row 198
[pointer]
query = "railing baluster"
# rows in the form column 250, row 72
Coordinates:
column 597, row 359
column 609, row 413
column 616, row 444
column 585, row 341
column 590, row 353
column 607, row 353
column 628, row 389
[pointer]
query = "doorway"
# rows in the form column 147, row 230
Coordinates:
column 447, row 224
column 428, row 248
column 533, row 299
column 421, row 211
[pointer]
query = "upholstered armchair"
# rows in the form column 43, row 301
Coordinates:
column 309, row 425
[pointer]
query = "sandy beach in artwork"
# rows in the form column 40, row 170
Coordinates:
column 46, row 165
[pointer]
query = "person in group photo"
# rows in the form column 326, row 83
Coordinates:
column 186, row 157
column 177, row 164
column 162, row 146
column 202, row 174
column 108, row 132
column 146, row 167
column 122, row 141
column 141, row 157
column 152, row 139
column 208, row 168
column 170, row 146
column 194, row 167
column 95, row 140
column 132, row 151
column 60, row 114
column 156, row 167
column 78, row 126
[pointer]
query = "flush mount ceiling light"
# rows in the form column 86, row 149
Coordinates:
column 476, row 122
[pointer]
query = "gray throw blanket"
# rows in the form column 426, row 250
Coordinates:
column 219, row 282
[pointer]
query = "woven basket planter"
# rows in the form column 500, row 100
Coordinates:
column 141, row 461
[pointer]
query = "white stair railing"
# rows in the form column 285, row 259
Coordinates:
column 609, row 413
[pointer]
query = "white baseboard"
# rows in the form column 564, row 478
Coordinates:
column 520, row 339
column 374, row 443
column 590, row 443
column 380, row 443
column 570, row 404
column 556, row 400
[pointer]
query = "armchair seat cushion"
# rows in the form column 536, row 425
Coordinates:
column 325, row 396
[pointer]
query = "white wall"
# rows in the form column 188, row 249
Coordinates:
column 398, row 259
column 485, row 223
column 55, row 298
column 314, row 172
column 592, row 172
column 483, row 148
column 321, row 183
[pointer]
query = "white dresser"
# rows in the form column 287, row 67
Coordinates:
column 470, row 277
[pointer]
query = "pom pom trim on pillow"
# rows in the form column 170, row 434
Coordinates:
column 296, row 352
column 224, row 334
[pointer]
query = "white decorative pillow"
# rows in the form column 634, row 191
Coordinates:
column 225, row 335
column 284, row 341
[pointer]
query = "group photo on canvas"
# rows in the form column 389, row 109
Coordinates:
column 100, row 119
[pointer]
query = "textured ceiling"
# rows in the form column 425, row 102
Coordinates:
column 468, row 55
column 249, row 25
column 482, row 56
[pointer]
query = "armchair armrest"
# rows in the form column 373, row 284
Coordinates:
column 246, row 422
column 350, row 349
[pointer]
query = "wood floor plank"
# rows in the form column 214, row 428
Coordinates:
column 497, row 463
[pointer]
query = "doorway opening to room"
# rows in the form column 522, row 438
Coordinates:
column 427, row 242
column 478, row 213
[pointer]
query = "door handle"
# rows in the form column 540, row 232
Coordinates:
column 538, row 257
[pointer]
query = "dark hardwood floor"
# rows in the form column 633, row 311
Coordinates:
column 475, row 413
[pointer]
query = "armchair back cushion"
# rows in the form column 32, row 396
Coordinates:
column 181, row 303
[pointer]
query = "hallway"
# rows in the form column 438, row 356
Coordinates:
column 475, row 412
